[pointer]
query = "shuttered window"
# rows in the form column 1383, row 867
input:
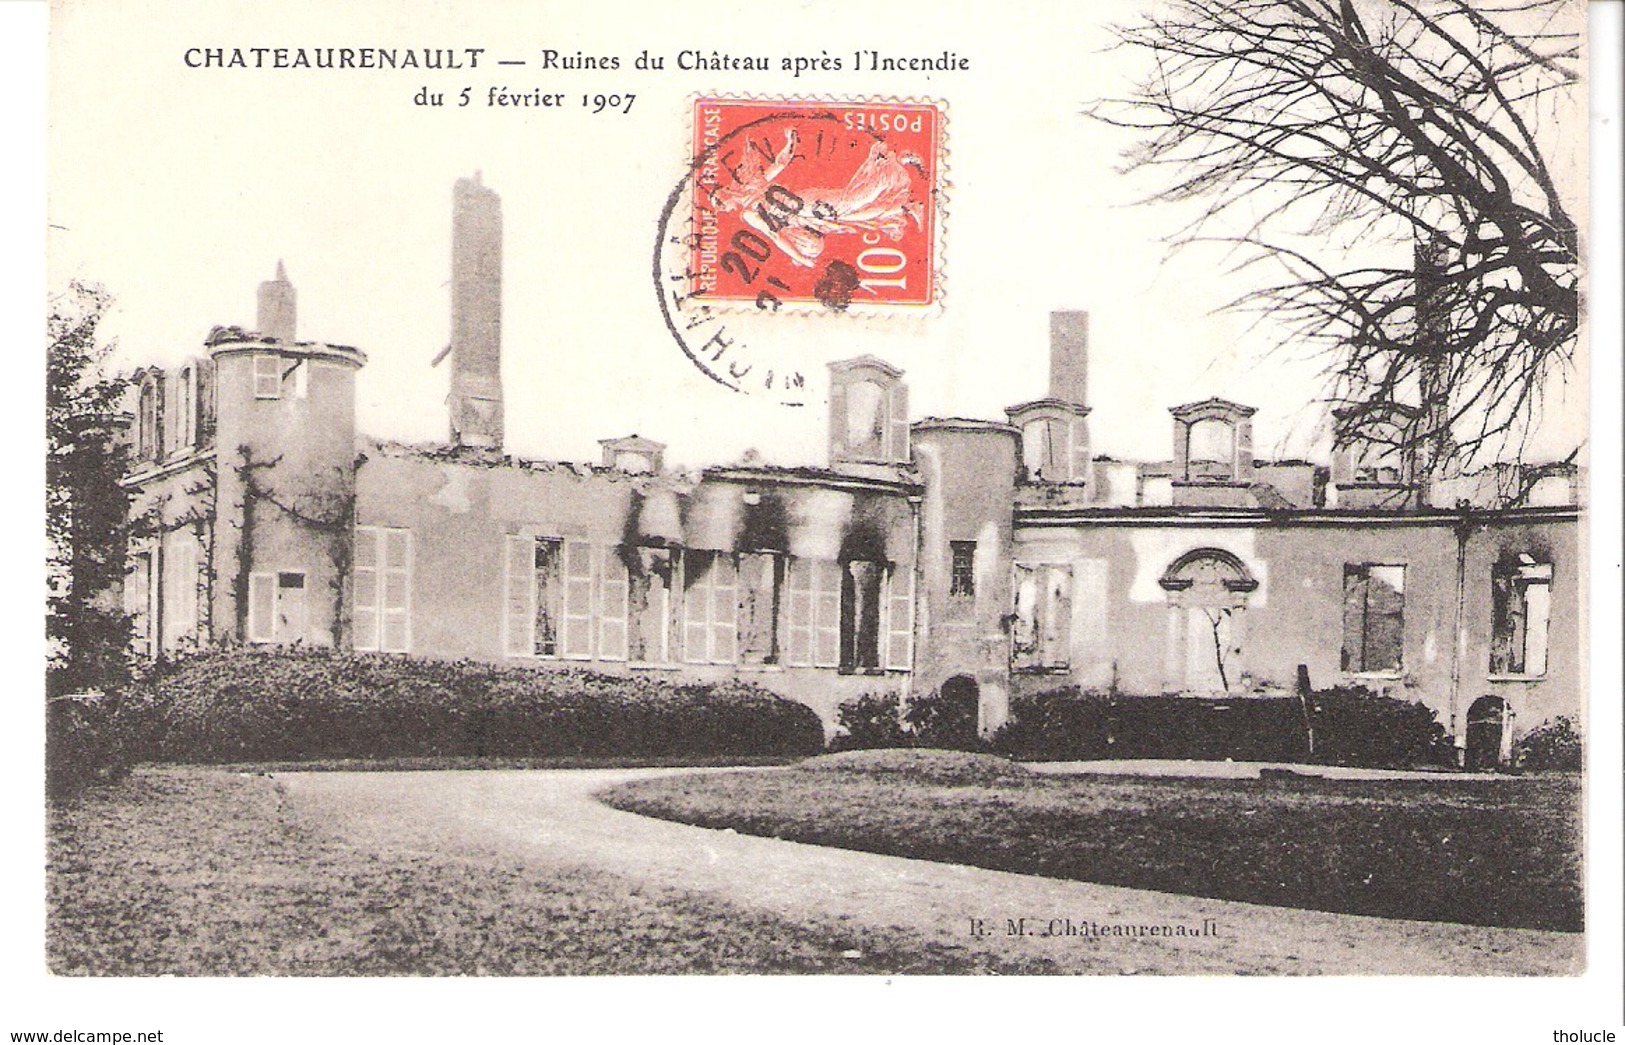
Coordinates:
column 183, row 591
column 578, row 558
column 534, row 597
column 710, row 608
column 267, row 376
column 612, row 605
column 900, row 619
column 813, row 613
column 277, row 608
column 382, row 611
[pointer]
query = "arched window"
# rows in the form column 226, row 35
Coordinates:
column 150, row 416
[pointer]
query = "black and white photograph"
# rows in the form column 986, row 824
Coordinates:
column 623, row 509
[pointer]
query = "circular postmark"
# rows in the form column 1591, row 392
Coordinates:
column 789, row 211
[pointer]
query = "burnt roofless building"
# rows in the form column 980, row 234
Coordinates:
column 987, row 557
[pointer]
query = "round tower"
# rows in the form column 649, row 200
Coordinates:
column 969, row 472
column 285, row 480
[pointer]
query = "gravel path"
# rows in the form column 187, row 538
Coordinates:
column 550, row 816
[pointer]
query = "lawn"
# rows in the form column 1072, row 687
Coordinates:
column 200, row 872
column 1495, row 852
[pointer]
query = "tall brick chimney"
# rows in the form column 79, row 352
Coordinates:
column 1436, row 454
column 475, row 399
column 278, row 308
column 1069, row 357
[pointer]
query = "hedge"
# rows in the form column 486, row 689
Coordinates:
column 1355, row 727
column 1554, row 744
column 83, row 745
column 260, row 705
column 930, row 720
column 870, row 721
column 1351, row 727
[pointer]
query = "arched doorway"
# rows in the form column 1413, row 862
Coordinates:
column 1207, row 598
column 1486, row 725
column 961, row 716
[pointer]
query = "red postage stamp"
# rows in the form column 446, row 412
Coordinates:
column 826, row 203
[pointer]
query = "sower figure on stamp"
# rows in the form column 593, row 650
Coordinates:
column 877, row 198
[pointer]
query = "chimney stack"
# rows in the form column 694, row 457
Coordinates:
column 1436, row 454
column 278, row 311
column 1069, row 357
column 476, row 315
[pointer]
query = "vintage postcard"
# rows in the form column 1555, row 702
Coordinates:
column 903, row 490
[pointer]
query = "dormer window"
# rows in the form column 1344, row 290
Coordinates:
column 1374, row 456
column 633, row 454
column 1054, row 440
column 185, row 432
column 267, row 376
column 1213, row 442
column 1044, row 447
column 149, row 418
column 866, row 420
column 1367, row 473
column 868, row 412
column 1212, row 451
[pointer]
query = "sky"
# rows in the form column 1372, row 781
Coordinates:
column 180, row 189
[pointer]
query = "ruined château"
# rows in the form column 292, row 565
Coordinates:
column 977, row 557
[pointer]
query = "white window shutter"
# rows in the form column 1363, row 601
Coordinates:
column 826, row 614
column 897, row 435
column 1056, row 627
column 194, row 427
column 900, row 618
column 261, row 606
column 724, row 610
column 837, row 417
column 612, row 595
column 799, row 612
column 1081, row 465
column 1024, row 631
column 364, row 590
column 520, row 601
column 395, row 593
column 577, row 639
column 697, row 571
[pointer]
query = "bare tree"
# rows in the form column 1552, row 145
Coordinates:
column 1392, row 157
